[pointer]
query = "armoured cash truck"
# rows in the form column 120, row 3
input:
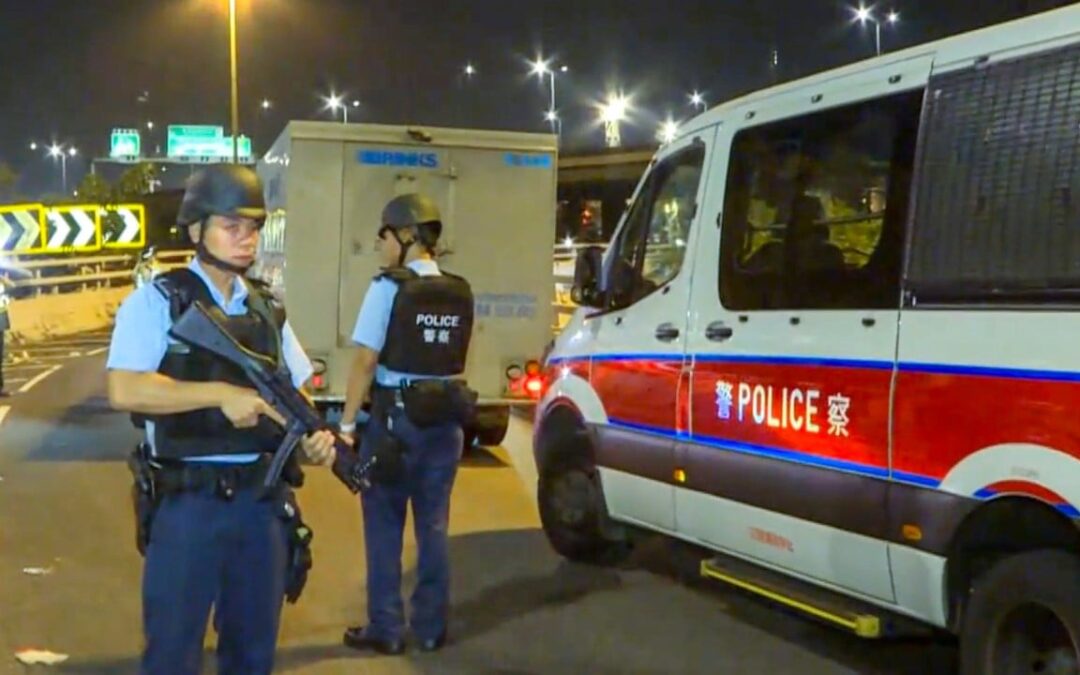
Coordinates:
column 326, row 184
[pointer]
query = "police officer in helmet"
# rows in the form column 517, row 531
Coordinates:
column 413, row 334
column 214, row 538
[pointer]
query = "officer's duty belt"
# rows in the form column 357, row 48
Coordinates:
column 225, row 478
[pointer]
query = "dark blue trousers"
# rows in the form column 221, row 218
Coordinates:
column 431, row 461
column 205, row 551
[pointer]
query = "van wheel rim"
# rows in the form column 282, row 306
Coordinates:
column 1033, row 639
column 572, row 498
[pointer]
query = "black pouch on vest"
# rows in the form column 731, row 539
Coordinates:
column 432, row 403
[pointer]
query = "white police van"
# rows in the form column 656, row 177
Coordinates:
column 836, row 340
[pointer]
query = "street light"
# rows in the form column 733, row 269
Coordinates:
column 863, row 14
column 235, row 86
column 668, row 131
column 266, row 105
column 33, row 145
column 334, row 101
column 150, row 126
column 612, row 113
column 552, row 118
column 542, row 67
column 470, row 70
column 58, row 152
column 697, row 99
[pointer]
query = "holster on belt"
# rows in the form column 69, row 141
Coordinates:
column 144, row 494
column 299, row 554
column 432, row 403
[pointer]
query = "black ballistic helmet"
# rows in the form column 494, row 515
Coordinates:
column 412, row 211
column 222, row 190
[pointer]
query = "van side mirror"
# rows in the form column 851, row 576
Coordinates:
column 586, row 290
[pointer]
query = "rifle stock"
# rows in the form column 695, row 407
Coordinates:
column 198, row 327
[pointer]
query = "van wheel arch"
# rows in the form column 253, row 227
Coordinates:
column 998, row 529
column 570, row 495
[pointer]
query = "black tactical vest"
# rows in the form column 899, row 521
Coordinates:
column 430, row 324
column 208, row 431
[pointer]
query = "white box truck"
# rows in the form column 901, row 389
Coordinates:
column 326, row 184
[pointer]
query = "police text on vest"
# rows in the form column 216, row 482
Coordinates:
column 438, row 320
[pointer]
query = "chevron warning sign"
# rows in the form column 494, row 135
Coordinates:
column 21, row 227
column 72, row 228
column 123, row 226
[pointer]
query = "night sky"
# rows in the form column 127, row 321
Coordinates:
column 70, row 70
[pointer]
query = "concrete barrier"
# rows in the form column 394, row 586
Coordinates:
column 51, row 315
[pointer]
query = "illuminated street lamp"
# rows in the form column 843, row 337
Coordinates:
column 668, row 131
column 335, row 102
column 470, row 70
column 697, row 99
column 540, row 68
column 612, row 113
column 59, row 152
column 863, row 15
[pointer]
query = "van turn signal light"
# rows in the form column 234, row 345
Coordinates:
column 911, row 532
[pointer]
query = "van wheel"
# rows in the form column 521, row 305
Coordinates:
column 573, row 514
column 1024, row 617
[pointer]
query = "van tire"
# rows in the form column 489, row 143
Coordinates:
column 1023, row 616
column 573, row 513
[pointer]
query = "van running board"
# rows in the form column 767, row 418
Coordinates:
column 858, row 618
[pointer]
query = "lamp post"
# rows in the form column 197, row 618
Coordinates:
column 864, row 15
column 59, row 152
column 235, row 84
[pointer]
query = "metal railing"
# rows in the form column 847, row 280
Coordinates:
column 76, row 275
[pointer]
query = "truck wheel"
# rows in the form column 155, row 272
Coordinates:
column 573, row 513
column 492, row 435
column 468, row 442
column 1023, row 616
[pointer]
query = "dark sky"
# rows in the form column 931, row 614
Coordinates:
column 70, row 70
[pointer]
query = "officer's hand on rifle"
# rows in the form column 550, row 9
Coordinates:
column 319, row 447
column 243, row 406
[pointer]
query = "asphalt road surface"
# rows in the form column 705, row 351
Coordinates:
column 517, row 607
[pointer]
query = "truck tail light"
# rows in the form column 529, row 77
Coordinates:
column 318, row 377
column 534, row 385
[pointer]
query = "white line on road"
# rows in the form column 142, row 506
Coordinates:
column 32, row 383
column 4, row 410
column 95, row 352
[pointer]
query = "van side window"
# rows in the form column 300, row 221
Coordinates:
column 815, row 207
column 998, row 180
column 650, row 248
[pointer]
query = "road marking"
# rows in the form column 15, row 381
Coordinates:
column 32, row 383
column 4, row 410
column 95, row 352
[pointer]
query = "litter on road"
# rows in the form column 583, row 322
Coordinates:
column 33, row 657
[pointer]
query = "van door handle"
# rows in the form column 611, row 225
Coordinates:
column 667, row 332
column 718, row 331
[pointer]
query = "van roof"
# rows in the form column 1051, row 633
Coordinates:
column 1045, row 29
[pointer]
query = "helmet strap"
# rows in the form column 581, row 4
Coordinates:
column 205, row 256
column 403, row 245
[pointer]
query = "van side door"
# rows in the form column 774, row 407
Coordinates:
column 638, row 337
column 794, row 333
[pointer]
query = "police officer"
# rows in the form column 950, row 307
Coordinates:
column 216, row 539
column 413, row 334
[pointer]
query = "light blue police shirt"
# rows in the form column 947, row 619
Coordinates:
column 374, row 320
column 140, row 338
